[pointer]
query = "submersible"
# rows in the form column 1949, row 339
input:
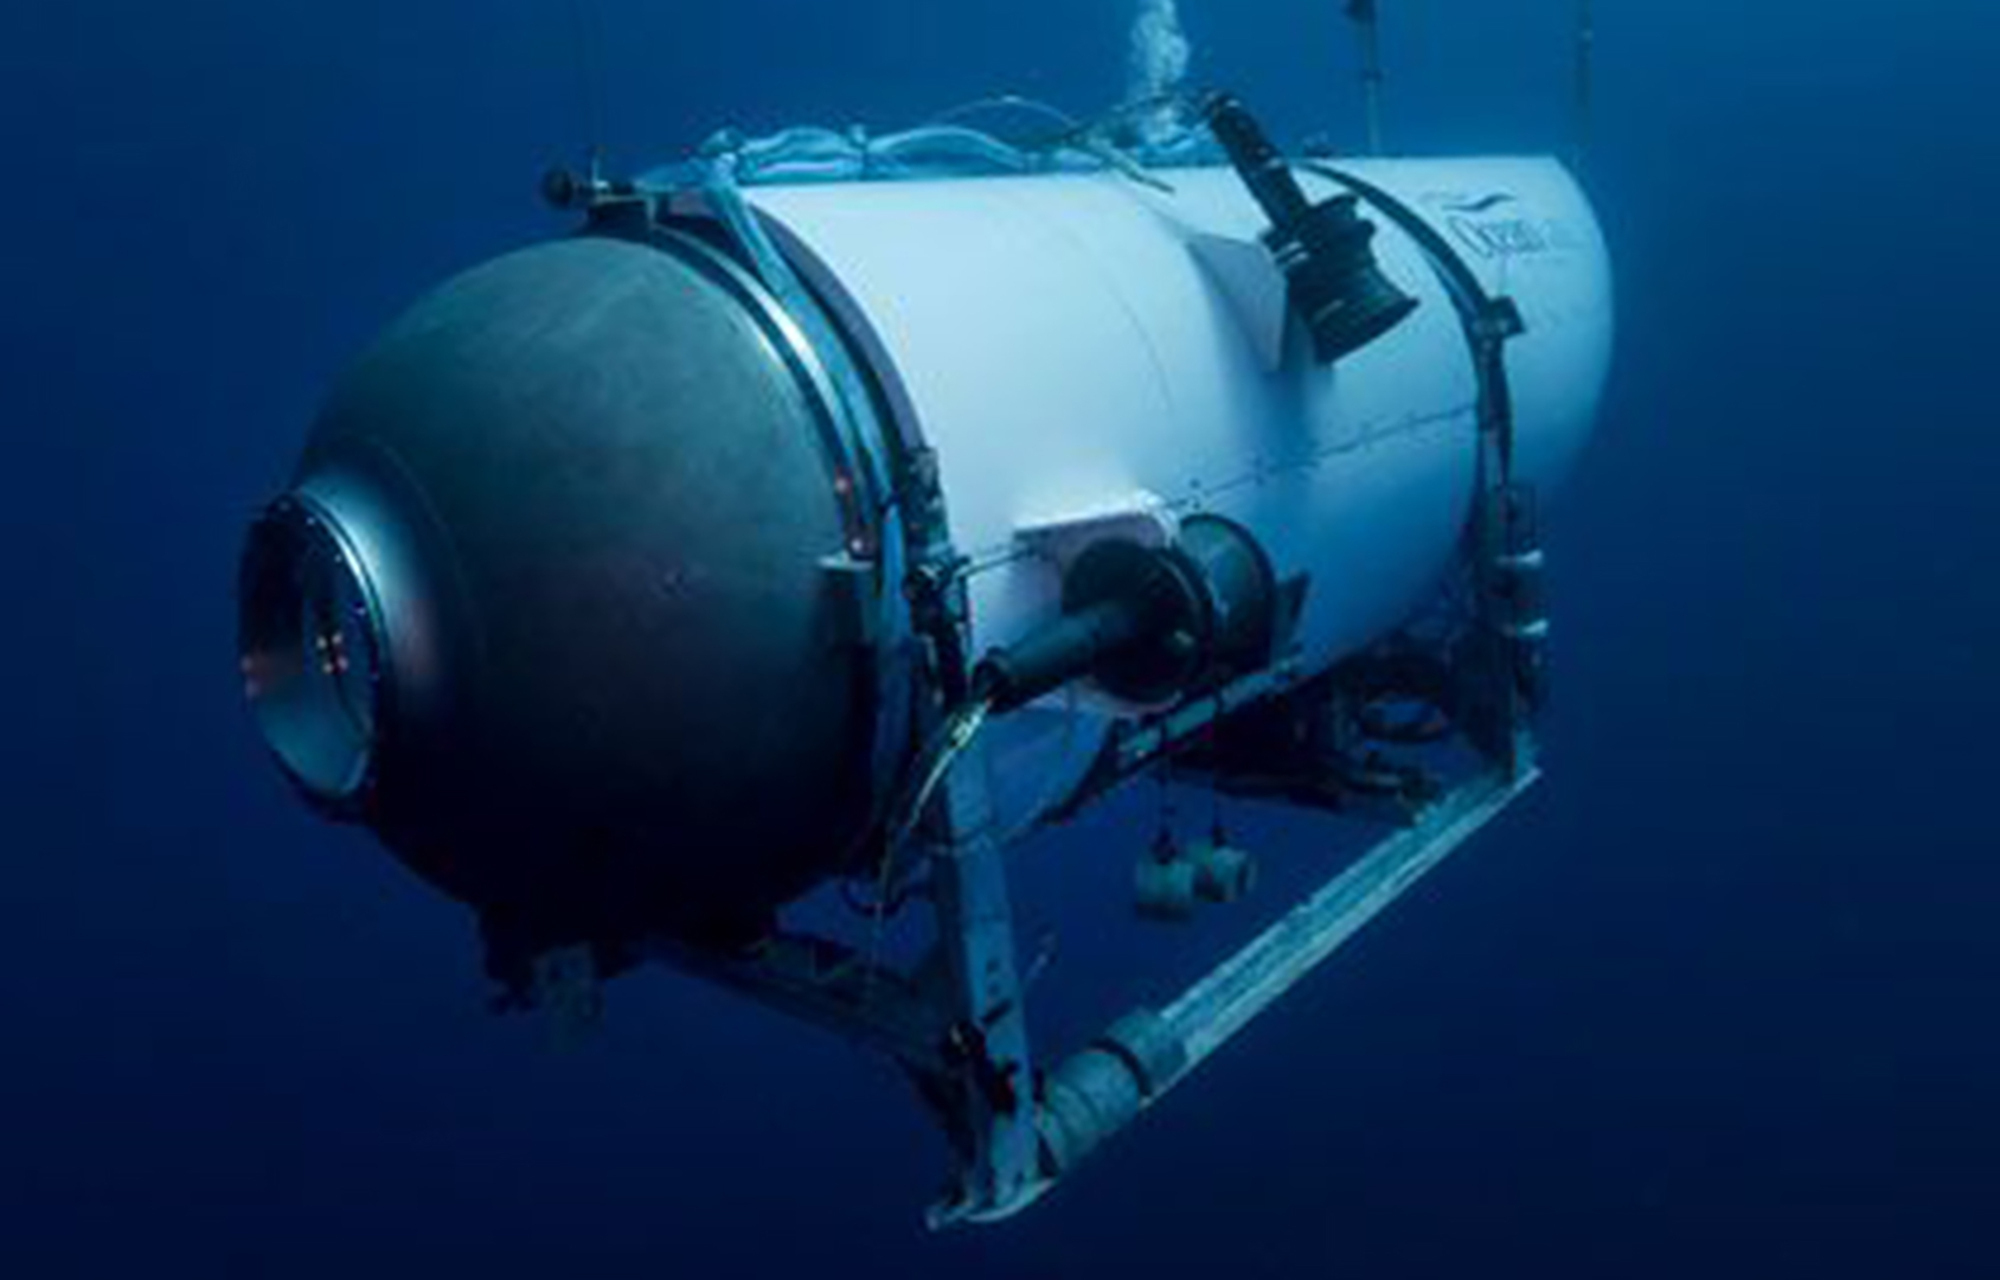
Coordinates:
column 832, row 510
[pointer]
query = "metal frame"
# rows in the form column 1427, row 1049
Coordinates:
column 957, row 1021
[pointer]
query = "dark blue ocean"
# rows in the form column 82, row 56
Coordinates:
column 1718, row 1001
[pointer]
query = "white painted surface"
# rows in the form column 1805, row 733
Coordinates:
column 1067, row 342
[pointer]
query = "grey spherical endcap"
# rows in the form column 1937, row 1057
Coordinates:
column 645, row 697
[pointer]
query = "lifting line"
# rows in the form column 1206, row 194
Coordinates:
column 1586, row 78
column 1368, row 29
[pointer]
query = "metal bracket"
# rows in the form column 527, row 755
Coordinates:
column 992, row 1074
column 1217, row 1008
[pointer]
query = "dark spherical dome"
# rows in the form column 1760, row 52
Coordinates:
column 575, row 513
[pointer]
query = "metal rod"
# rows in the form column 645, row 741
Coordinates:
column 1586, row 78
column 1140, row 1058
column 975, row 925
column 1368, row 29
column 1218, row 1007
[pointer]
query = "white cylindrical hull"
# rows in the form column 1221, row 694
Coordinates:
column 1083, row 352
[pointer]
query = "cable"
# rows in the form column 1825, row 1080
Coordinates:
column 957, row 734
column 1368, row 30
column 1586, row 78
column 1006, row 102
column 900, row 818
column 953, row 738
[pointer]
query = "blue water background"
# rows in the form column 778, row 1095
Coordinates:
column 1719, row 1002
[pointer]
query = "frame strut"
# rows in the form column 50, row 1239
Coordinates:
column 1214, row 1010
column 987, row 1045
column 1368, row 31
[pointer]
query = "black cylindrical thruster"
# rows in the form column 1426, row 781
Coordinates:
column 1148, row 624
column 1070, row 647
column 1241, row 588
column 1133, row 618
